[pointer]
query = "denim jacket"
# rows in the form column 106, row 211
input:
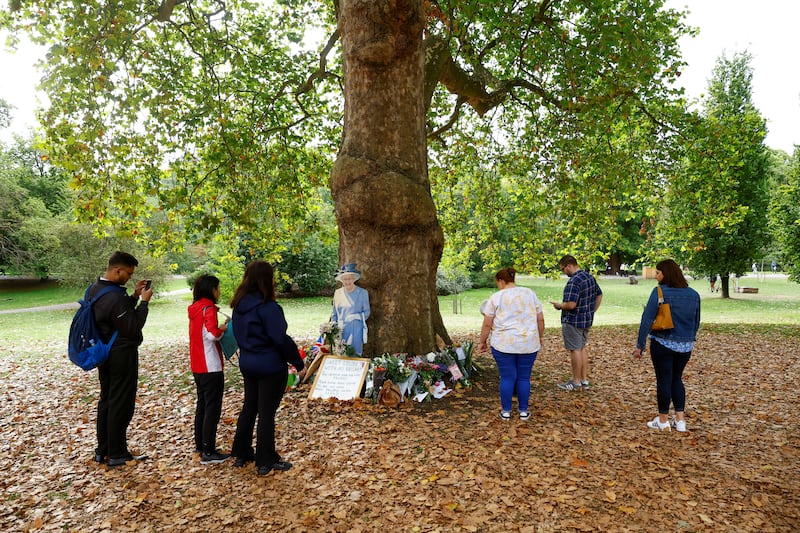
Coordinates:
column 685, row 308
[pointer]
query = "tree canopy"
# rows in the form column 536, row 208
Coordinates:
column 203, row 115
column 203, row 108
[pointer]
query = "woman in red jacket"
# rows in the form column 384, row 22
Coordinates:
column 207, row 361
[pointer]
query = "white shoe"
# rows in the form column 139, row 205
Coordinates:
column 680, row 426
column 656, row 424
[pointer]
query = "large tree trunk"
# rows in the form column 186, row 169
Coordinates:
column 386, row 216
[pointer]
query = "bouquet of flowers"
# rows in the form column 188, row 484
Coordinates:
column 395, row 366
column 329, row 333
column 428, row 373
column 387, row 366
column 468, row 366
column 455, row 360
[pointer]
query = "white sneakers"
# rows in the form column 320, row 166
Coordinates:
column 678, row 425
column 656, row 424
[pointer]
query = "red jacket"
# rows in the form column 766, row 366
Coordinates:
column 204, row 333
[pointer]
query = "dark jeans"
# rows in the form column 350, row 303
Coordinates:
column 119, row 377
column 669, row 367
column 210, row 388
column 515, row 372
column 262, row 396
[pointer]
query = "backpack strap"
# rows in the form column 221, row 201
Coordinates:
column 105, row 290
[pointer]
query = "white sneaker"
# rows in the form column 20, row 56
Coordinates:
column 656, row 424
column 680, row 425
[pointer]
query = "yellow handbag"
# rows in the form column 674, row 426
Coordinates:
column 664, row 316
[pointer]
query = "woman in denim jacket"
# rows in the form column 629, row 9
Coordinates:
column 670, row 349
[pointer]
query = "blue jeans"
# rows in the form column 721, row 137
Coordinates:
column 669, row 367
column 515, row 371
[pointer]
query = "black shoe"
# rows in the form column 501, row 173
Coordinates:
column 119, row 461
column 283, row 466
column 264, row 470
column 241, row 461
column 100, row 458
column 214, row 458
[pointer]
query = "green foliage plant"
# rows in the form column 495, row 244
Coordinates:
column 225, row 261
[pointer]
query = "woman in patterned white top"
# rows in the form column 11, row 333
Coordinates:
column 514, row 318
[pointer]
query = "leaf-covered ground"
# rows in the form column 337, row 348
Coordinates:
column 584, row 461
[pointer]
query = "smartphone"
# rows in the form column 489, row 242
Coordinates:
column 148, row 283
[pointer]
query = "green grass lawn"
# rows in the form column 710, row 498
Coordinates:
column 41, row 293
column 777, row 302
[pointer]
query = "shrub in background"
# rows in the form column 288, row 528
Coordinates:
column 309, row 267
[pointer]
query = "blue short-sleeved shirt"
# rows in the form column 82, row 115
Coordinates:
column 582, row 289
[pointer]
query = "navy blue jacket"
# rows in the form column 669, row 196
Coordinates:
column 260, row 331
column 684, row 305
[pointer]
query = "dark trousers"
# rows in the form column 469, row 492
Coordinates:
column 262, row 396
column 669, row 367
column 210, row 388
column 119, row 377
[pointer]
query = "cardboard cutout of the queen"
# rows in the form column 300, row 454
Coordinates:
column 351, row 308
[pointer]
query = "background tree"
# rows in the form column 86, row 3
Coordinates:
column 82, row 255
column 785, row 217
column 716, row 207
column 33, row 204
column 200, row 111
column 37, row 235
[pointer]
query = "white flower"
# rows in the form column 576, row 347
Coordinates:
column 431, row 357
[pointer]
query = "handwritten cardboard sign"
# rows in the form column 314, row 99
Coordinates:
column 339, row 377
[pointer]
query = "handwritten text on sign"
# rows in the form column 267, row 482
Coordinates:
column 340, row 378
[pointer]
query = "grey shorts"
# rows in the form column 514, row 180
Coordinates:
column 574, row 338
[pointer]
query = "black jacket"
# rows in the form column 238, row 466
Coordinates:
column 118, row 312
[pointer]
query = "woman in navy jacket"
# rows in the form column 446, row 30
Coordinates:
column 265, row 350
column 670, row 349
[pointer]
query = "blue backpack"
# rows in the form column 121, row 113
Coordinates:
column 85, row 348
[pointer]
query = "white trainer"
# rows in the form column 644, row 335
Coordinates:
column 656, row 424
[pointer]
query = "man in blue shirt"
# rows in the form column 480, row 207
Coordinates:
column 582, row 297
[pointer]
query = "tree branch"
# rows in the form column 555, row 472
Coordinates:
column 322, row 71
column 450, row 123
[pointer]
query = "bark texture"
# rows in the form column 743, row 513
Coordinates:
column 386, row 216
